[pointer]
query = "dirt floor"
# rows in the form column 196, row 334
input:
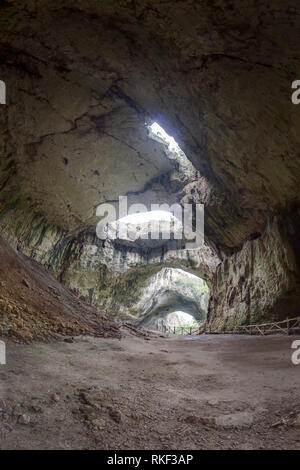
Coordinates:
column 205, row 392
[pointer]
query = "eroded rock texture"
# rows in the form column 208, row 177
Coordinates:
column 94, row 269
column 171, row 290
column 260, row 283
column 83, row 80
column 145, row 295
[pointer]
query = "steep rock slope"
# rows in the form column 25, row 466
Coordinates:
column 34, row 305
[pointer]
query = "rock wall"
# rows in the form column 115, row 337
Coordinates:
column 261, row 282
column 101, row 273
column 144, row 298
column 256, row 284
column 83, row 78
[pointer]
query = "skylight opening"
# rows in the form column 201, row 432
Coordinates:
column 170, row 141
column 144, row 217
column 162, row 225
column 157, row 133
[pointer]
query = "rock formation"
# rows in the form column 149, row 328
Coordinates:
column 145, row 298
column 84, row 81
column 259, row 283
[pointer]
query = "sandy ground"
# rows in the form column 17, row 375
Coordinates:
column 207, row 392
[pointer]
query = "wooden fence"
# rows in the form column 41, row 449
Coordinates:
column 288, row 327
column 178, row 330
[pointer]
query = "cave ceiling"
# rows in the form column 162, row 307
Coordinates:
column 84, row 78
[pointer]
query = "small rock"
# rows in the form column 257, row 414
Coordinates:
column 213, row 402
column 99, row 423
column 26, row 283
column 235, row 420
column 90, row 416
column 297, row 421
column 193, row 419
column 86, row 399
column 36, row 408
column 25, row 404
column 69, row 340
column 24, row 419
column 5, row 416
column 55, row 397
column 116, row 415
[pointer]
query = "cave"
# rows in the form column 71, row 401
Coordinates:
column 149, row 169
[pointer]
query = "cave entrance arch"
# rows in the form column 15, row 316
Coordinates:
column 172, row 290
column 178, row 322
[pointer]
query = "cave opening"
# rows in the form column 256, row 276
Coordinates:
column 178, row 322
column 151, row 215
column 172, row 149
column 159, row 132
column 173, row 298
column 148, row 229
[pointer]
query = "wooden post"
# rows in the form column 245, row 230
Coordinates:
column 174, row 330
column 190, row 330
